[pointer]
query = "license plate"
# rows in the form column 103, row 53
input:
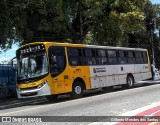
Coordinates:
column 28, row 93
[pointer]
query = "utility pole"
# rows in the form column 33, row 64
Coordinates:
column 152, row 44
column 150, row 24
column 81, row 21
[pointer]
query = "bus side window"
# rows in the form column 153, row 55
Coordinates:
column 139, row 58
column 112, row 57
column 122, row 57
column 145, row 59
column 75, row 56
column 131, row 57
column 57, row 60
column 101, row 57
column 89, row 56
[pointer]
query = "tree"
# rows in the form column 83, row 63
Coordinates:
column 111, row 21
column 106, row 22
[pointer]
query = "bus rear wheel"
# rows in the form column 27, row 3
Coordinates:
column 77, row 90
column 52, row 97
column 130, row 81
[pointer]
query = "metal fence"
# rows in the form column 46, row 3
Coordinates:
column 7, row 81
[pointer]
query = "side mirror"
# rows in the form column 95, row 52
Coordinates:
column 13, row 63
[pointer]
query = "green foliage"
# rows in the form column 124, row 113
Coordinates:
column 110, row 21
column 89, row 39
column 105, row 22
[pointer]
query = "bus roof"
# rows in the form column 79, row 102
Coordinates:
column 114, row 48
column 84, row 45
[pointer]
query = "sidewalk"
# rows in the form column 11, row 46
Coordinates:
column 15, row 102
column 9, row 100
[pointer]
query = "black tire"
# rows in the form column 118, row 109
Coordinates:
column 52, row 97
column 130, row 81
column 77, row 90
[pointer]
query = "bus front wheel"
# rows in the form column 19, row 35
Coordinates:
column 77, row 90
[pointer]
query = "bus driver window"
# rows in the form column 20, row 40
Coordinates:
column 54, row 66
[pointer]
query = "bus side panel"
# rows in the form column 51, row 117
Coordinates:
column 141, row 72
column 145, row 72
column 138, row 72
column 97, row 73
column 112, row 75
column 75, row 72
column 104, row 75
column 63, row 82
column 123, row 70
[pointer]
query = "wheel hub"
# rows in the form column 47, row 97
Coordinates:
column 78, row 89
column 130, row 82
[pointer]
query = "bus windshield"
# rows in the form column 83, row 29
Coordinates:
column 33, row 65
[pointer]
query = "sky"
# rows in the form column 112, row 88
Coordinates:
column 11, row 53
column 155, row 1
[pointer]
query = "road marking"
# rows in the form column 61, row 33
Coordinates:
column 139, row 110
column 153, row 123
column 131, row 113
column 153, row 113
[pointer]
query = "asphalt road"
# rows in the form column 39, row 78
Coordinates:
column 93, row 104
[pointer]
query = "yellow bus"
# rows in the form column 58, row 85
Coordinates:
column 51, row 68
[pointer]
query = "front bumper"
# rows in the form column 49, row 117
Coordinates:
column 35, row 92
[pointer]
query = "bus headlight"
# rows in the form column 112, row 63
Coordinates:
column 18, row 88
column 41, row 85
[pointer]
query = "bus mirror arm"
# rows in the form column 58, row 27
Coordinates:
column 13, row 64
column 14, row 68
